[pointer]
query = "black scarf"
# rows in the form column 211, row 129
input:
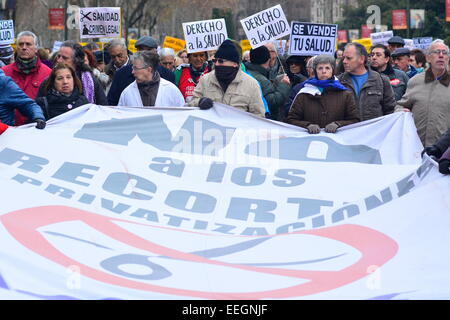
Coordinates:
column 26, row 65
column 195, row 74
column 149, row 91
column 225, row 75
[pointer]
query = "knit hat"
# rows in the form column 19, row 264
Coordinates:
column 228, row 51
column 259, row 55
column 6, row 51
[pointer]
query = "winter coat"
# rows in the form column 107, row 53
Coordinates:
column 331, row 106
column 53, row 104
column 123, row 78
column 429, row 101
column 243, row 92
column 29, row 83
column 3, row 127
column 398, row 80
column 275, row 94
column 376, row 98
column 11, row 98
column 443, row 143
column 168, row 96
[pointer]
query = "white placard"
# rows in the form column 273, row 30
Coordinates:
column 266, row 26
column 100, row 22
column 6, row 31
column 423, row 42
column 409, row 43
column 310, row 39
column 381, row 37
column 56, row 45
column 204, row 35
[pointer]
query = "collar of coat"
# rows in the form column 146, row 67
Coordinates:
column 444, row 80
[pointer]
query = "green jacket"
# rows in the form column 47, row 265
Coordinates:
column 274, row 93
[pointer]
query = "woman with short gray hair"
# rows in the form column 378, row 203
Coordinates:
column 323, row 102
column 149, row 89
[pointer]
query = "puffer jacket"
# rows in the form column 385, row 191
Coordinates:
column 275, row 94
column 54, row 104
column 11, row 98
column 376, row 98
column 243, row 92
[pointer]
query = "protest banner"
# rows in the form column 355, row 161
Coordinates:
column 6, row 31
column 245, row 45
column 204, row 35
column 56, row 19
column 174, row 43
column 179, row 203
column 131, row 46
column 265, row 26
column 381, row 37
column 422, row 42
column 100, row 22
column 310, row 39
column 399, row 20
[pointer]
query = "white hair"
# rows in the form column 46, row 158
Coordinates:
column 437, row 41
column 28, row 34
column 167, row 52
column 119, row 42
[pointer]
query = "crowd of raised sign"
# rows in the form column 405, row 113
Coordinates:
column 322, row 92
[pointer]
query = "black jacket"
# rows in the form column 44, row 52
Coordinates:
column 123, row 78
column 53, row 104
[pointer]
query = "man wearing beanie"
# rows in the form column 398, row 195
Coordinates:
column 275, row 93
column 228, row 84
column 6, row 55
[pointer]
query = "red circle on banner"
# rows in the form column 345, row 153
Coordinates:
column 376, row 249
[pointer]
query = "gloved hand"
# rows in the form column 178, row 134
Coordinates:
column 313, row 128
column 40, row 124
column 205, row 103
column 444, row 166
column 432, row 151
column 331, row 127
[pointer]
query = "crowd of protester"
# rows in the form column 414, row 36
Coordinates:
column 317, row 93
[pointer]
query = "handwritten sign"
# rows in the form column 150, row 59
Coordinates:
column 204, row 35
column 174, row 43
column 6, row 31
column 310, row 39
column 422, row 42
column 100, row 22
column 265, row 26
column 381, row 37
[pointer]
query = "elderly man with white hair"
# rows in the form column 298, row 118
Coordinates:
column 167, row 58
column 118, row 52
column 428, row 94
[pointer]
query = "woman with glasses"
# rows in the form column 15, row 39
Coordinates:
column 149, row 89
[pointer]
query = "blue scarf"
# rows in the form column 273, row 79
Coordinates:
column 322, row 84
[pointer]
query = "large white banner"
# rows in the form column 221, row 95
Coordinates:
column 100, row 22
column 204, row 35
column 265, row 26
column 169, row 203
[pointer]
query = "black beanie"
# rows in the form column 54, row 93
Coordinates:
column 228, row 51
column 259, row 55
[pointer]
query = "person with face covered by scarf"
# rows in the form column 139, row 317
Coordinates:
column 323, row 102
column 228, row 84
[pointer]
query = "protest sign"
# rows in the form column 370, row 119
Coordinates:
column 204, row 35
column 366, row 42
column 422, row 42
column 265, row 26
column 245, row 45
column 6, row 31
column 179, row 203
column 381, row 37
column 56, row 45
column 409, row 43
column 131, row 46
column 100, row 22
column 174, row 43
column 310, row 39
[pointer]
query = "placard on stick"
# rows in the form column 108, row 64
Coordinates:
column 100, row 22
column 6, row 31
column 310, row 39
column 266, row 26
column 204, row 35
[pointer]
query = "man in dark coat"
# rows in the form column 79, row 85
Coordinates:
column 123, row 77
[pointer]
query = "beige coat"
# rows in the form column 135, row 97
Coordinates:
column 243, row 93
column 429, row 101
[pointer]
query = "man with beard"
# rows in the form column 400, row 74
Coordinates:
column 228, row 84
column 380, row 62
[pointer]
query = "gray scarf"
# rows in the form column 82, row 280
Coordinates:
column 26, row 65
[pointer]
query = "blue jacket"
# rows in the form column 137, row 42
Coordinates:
column 11, row 98
column 123, row 78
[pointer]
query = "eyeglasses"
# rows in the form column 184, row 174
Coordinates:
column 444, row 52
column 138, row 68
column 219, row 60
